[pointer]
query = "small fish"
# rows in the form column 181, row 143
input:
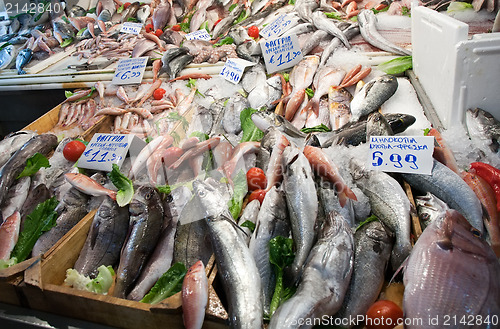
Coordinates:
column 484, row 129
column 194, row 296
column 320, row 21
column 13, row 142
column 88, row 186
column 16, row 197
column 143, row 13
column 339, row 100
column 9, row 234
column 161, row 15
column 23, row 58
column 122, row 95
column 231, row 119
column 429, row 208
column 179, row 63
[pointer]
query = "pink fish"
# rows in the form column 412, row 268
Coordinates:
column 150, row 91
column 194, row 296
column 9, row 233
column 231, row 167
column 88, row 186
column 198, row 149
column 161, row 157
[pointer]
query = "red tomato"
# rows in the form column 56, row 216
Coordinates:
column 383, row 314
column 73, row 150
column 125, row 5
column 256, row 179
column 174, row 154
column 253, row 32
column 149, row 28
column 257, row 195
column 159, row 32
column 176, row 27
column 158, row 93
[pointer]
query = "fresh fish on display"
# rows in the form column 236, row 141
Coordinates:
column 451, row 260
column 105, row 239
column 429, row 208
column 35, row 196
column 146, row 221
column 305, row 9
column 16, row 197
column 161, row 15
column 13, row 142
column 484, row 129
column 324, row 78
column 377, row 125
column 194, row 296
column 9, row 234
column 231, row 120
column 7, row 56
column 325, row 279
column 321, row 22
column 143, row 13
column 226, row 23
column 88, row 186
column 330, row 202
column 250, row 214
column 339, row 100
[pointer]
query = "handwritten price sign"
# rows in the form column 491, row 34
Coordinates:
column 404, row 154
column 277, row 27
column 132, row 28
column 281, row 53
column 233, row 69
column 199, row 35
column 130, row 71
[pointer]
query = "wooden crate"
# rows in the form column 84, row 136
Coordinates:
column 45, row 291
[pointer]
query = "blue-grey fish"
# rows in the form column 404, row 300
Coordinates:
column 7, row 56
column 23, row 58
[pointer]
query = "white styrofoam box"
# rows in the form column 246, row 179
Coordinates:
column 456, row 73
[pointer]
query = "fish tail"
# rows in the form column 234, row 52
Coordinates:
column 342, row 199
column 350, row 194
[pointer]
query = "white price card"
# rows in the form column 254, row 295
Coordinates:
column 132, row 28
column 277, row 27
column 105, row 149
column 233, row 69
column 130, row 71
column 281, row 53
column 199, row 35
column 406, row 154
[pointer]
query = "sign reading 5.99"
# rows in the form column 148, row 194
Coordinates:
column 406, row 154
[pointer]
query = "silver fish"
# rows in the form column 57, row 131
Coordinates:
column 349, row 33
column 105, row 239
column 302, row 203
column 484, row 129
column 7, row 56
column 373, row 244
column 254, row 77
column 13, row 142
column 389, row 203
column 16, row 196
column 305, row 9
column 299, row 29
column 320, row 21
column 142, row 47
column 143, row 13
column 272, row 221
column 450, row 261
column 231, row 119
column 325, row 279
column 445, row 184
column 179, row 63
column 146, row 220
column 429, row 208
column 330, row 202
column 22, row 59
column 235, row 263
column 377, row 125
column 227, row 22
column 161, row 15
column 368, row 27
column 249, row 214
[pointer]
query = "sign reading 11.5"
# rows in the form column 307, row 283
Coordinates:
column 406, row 154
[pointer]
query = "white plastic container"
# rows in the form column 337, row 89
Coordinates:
column 455, row 72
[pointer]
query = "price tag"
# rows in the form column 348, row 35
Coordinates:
column 130, row 71
column 233, row 69
column 405, row 154
column 199, row 35
column 277, row 27
column 130, row 27
column 281, row 53
column 105, row 149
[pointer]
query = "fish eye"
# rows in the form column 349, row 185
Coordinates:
column 148, row 196
column 475, row 232
column 202, row 193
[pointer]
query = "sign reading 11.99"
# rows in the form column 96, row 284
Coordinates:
column 406, row 154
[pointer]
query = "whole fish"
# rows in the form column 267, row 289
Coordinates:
column 450, row 261
column 16, row 196
column 105, row 239
column 350, row 32
column 377, row 125
column 13, row 142
column 142, row 47
column 373, row 95
column 178, row 63
column 305, row 9
column 7, row 56
column 368, row 27
column 429, row 208
column 194, row 296
column 325, row 279
column 484, row 129
column 146, row 220
column 451, row 188
column 227, row 22
column 131, row 12
column 329, row 202
column 321, row 22
column 161, row 15
column 235, row 263
column 231, row 120
column 36, row 195
column 249, row 214
column 272, row 221
column 88, row 186
column 373, row 244
column 71, row 209
column 42, row 144
column 143, row 13
column 302, row 203
column 9, row 234
column 339, row 100
column 389, row 203
column 169, row 55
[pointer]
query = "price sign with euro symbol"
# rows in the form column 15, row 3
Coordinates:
column 281, row 53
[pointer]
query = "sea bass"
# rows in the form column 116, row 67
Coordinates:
column 450, row 261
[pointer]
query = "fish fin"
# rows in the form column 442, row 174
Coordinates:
column 350, row 194
column 342, row 199
column 401, row 267
column 93, row 233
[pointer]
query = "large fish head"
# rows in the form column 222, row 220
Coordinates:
column 144, row 198
column 400, row 122
column 377, row 231
column 212, row 201
column 333, row 224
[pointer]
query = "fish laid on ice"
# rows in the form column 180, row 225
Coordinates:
column 320, row 21
column 194, row 296
column 484, row 129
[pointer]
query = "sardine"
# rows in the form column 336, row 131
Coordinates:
column 235, row 263
column 194, row 296
column 320, row 21
column 451, row 188
column 325, row 279
column 389, row 203
column 373, row 244
column 484, row 129
column 105, row 239
column 302, row 203
column 450, row 260
column 146, row 221
column 9, row 234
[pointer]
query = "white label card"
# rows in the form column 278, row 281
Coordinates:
column 130, row 71
column 281, row 53
column 276, row 28
column 105, row 149
column 130, row 27
column 199, row 35
column 233, row 69
column 406, row 154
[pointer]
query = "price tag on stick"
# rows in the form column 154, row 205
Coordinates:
column 132, row 28
column 233, row 69
column 105, row 149
column 281, row 53
column 406, row 154
column 130, row 71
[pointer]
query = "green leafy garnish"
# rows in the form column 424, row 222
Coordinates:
column 458, row 6
column 92, row 10
column 396, row 65
column 405, row 11
column 148, row 139
column 291, row 2
column 33, row 164
column 176, row 137
column 427, row 131
column 191, row 83
column 204, row 26
column 201, row 136
column 79, row 34
column 355, row 18
column 167, row 285
column 286, row 76
column 250, row 131
column 372, row 218
column 99, row 285
column 8, row 263
column 334, row 15
column 175, row 116
column 321, row 128
column 42, row 219
column 66, row 42
column 240, row 190
column 225, row 41
column 123, row 184
column 68, row 94
column 234, row 5
column 242, row 17
column 381, row 10
column 309, row 92
column 281, row 255
column 185, row 25
column 120, row 9
column 132, row 19
column 248, row 224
